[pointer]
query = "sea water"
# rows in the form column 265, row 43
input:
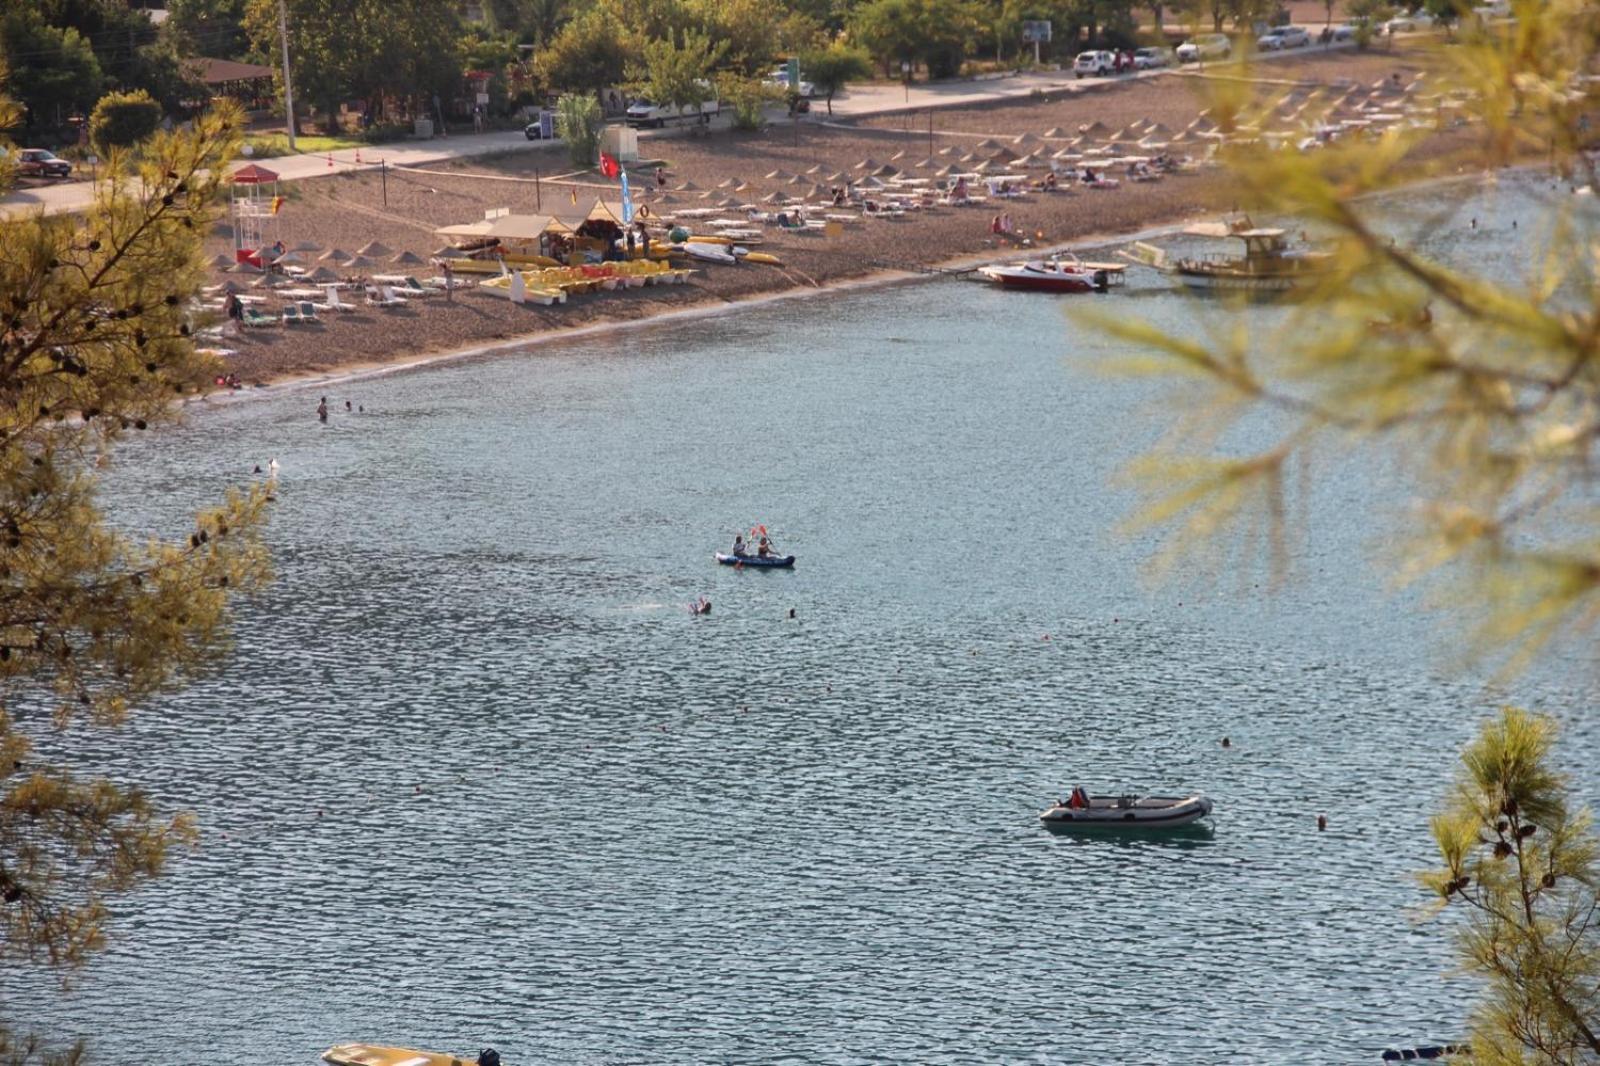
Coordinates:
column 474, row 775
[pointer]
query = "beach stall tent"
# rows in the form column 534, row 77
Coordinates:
column 596, row 226
column 537, row 234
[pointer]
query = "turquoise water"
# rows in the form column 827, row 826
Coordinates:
column 475, row 776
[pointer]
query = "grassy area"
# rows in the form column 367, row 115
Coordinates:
column 267, row 145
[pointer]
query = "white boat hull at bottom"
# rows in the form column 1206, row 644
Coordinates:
column 1128, row 813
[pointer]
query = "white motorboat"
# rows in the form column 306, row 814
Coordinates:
column 1128, row 812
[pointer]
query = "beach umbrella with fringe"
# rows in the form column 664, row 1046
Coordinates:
column 1003, row 155
column 323, row 275
column 886, row 171
column 1025, row 139
column 727, row 201
column 927, row 164
column 1094, row 129
column 948, row 150
column 335, row 255
column 778, row 175
column 360, row 262
column 818, row 190
column 1056, row 131
column 449, row 251
column 816, row 168
column 897, row 157
column 988, row 144
column 945, row 172
column 687, row 186
column 221, row 262
column 838, row 177
column 407, row 258
column 745, row 188
column 868, row 164
column 798, row 180
column 231, row 286
column 728, row 183
column 375, row 249
column 773, row 198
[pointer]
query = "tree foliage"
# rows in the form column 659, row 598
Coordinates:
column 1480, row 392
column 369, row 49
column 122, row 120
column 1526, row 868
column 53, row 72
column 578, row 122
column 95, row 343
column 590, row 53
column 935, row 33
column 677, row 73
column 831, row 68
column 1489, row 401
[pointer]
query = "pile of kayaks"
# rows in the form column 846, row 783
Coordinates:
column 554, row 284
column 724, row 250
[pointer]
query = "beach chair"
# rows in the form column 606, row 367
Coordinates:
column 389, row 297
column 413, row 287
column 382, row 297
column 254, row 319
column 332, row 302
column 308, row 312
column 291, row 315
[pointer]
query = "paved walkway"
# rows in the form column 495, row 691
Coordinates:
column 858, row 101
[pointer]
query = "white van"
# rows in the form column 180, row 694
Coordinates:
column 643, row 113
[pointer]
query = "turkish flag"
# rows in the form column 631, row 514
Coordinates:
column 609, row 167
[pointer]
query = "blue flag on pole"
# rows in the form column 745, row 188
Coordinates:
column 627, row 201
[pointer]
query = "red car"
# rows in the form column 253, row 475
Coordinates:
column 40, row 163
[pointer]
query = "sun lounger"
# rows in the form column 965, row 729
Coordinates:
column 254, row 319
column 383, row 297
column 308, row 312
column 291, row 315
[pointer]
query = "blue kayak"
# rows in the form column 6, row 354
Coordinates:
column 774, row 562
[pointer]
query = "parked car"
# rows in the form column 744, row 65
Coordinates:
column 42, row 163
column 1417, row 20
column 1345, row 31
column 1151, row 58
column 1205, row 46
column 780, row 78
column 644, row 113
column 1097, row 64
column 1283, row 37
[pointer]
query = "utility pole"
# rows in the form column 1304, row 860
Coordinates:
column 288, row 89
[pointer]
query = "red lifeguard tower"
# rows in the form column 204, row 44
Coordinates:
column 253, row 203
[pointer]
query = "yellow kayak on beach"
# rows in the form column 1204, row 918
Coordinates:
column 375, row 1055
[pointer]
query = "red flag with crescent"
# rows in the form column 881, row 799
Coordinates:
column 609, row 167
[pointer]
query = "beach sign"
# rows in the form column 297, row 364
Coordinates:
column 627, row 200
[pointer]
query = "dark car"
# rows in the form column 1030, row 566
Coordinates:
column 39, row 163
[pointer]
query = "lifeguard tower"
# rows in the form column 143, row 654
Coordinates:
column 253, row 206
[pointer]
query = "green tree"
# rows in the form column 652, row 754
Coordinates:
column 213, row 28
column 748, row 30
column 61, row 75
column 936, row 32
column 589, row 54
column 1524, row 867
column 748, row 99
column 1368, row 16
column 364, row 48
column 122, row 120
column 833, row 67
column 1481, row 394
column 678, row 73
column 95, row 342
column 578, row 122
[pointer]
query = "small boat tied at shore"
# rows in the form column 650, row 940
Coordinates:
column 1064, row 272
column 379, row 1055
column 1125, row 813
column 1269, row 264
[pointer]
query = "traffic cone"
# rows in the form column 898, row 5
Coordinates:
column 358, row 155
column 330, row 160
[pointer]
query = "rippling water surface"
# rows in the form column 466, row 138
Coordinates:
column 475, row 776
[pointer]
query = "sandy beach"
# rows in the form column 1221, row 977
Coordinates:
column 402, row 210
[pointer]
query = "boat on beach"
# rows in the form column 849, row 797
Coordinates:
column 378, row 1055
column 770, row 562
column 1126, row 813
column 1269, row 264
column 1059, row 273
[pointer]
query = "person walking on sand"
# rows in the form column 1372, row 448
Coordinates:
column 322, row 409
column 661, row 179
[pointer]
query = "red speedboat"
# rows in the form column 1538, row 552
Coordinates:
column 1059, row 274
